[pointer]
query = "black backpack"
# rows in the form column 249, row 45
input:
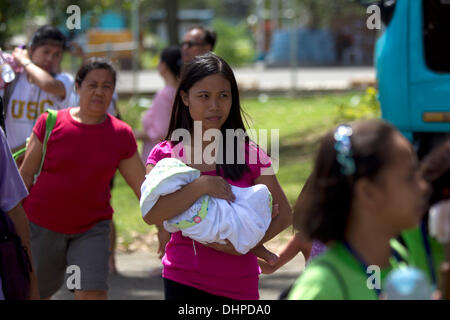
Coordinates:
column 15, row 266
column 2, row 115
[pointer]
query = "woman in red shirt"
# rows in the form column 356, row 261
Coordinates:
column 68, row 206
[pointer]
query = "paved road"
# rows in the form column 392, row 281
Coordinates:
column 134, row 281
column 259, row 79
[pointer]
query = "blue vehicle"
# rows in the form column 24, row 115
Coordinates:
column 412, row 59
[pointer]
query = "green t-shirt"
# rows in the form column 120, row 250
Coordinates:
column 417, row 252
column 338, row 275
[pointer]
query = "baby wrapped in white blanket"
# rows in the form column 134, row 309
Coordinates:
column 243, row 222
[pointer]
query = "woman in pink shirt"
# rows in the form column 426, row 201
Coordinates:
column 207, row 101
column 156, row 120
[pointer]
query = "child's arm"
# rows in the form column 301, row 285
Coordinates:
column 163, row 239
column 296, row 244
column 284, row 217
column 267, row 256
column 175, row 203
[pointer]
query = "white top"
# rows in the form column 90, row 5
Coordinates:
column 27, row 103
column 243, row 222
column 439, row 221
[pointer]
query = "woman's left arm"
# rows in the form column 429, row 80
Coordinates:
column 133, row 171
column 284, row 218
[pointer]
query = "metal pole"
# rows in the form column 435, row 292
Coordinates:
column 50, row 12
column 275, row 13
column 135, row 28
column 171, row 7
column 293, row 48
column 260, row 7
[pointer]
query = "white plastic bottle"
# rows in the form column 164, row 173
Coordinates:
column 8, row 74
column 408, row 283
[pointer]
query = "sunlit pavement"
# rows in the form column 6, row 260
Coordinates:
column 139, row 278
column 263, row 80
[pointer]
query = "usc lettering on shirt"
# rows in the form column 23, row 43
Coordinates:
column 28, row 102
column 32, row 110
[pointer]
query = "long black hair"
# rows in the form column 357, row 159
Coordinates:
column 201, row 67
column 172, row 57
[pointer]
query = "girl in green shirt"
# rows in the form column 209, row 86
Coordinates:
column 364, row 190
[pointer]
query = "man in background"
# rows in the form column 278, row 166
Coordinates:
column 198, row 40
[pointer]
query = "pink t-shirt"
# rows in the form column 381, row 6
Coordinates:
column 156, row 120
column 212, row 271
column 72, row 192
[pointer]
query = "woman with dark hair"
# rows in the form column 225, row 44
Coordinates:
column 156, row 120
column 208, row 99
column 364, row 190
column 425, row 250
column 68, row 206
column 39, row 87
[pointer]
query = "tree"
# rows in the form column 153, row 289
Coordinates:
column 319, row 13
column 11, row 18
column 171, row 7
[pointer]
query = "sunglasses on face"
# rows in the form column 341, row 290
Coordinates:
column 190, row 44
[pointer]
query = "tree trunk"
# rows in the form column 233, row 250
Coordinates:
column 171, row 7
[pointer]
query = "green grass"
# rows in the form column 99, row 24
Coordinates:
column 127, row 214
column 301, row 123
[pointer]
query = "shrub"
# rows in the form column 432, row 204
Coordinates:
column 360, row 107
column 234, row 43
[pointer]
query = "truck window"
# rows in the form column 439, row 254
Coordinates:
column 436, row 34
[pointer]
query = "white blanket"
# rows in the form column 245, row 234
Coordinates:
column 243, row 222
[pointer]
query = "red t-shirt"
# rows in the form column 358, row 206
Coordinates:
column 204, row 268
column 72, row 192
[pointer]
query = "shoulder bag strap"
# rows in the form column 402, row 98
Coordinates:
column 49, row 125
